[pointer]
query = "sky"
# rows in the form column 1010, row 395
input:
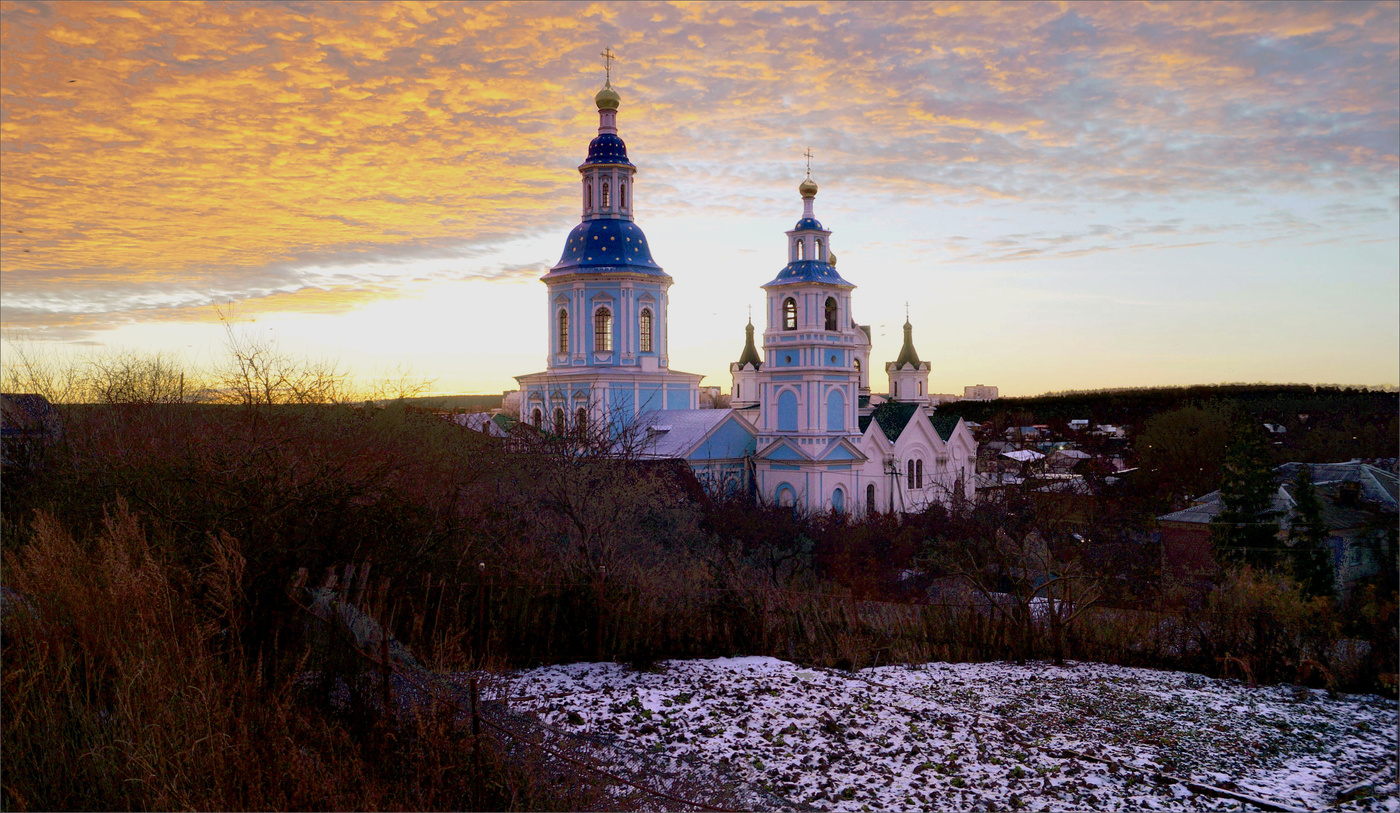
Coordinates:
column 1062, row 195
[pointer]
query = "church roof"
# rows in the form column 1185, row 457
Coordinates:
column 892, row 417
column 808, row 223
column 599, row 246
column 607, row 148
column 944, row 424
column 800, row 271
column 670, row 433
column 750, row 354
column 907, row 354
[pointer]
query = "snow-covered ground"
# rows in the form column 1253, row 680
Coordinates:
column 986, row 736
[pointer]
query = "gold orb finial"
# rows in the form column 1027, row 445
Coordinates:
column 808, row 188
column 607, row 98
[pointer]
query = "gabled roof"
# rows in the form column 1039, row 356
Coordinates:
column 842, row 450
column 892, row 416
column 783, row 449
column 944, row 424
column 674, row 433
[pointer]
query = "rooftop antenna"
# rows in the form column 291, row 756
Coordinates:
column 608, row 57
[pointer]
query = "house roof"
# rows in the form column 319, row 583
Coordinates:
column 1378, row 486
column 1024, row 455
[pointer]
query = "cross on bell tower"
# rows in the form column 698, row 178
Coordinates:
column 608, row 58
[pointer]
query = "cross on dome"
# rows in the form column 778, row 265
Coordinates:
column 608, row 57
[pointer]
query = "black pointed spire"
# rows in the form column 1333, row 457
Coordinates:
column 907, row 354
column 750, row 354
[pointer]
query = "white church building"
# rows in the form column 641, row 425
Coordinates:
column 803, row 429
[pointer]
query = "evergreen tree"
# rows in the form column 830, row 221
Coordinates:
column 1307, row 533
column 1246, row 529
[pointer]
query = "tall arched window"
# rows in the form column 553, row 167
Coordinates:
column 738, row 391
column 817, row 254
column 581, row 421
column 789, row 314
column 536, row 417
column 857, row 365
column 799, row 249
column 606, row 196
column 831, row 313
column 787, row 411
column 563, row 331
column 894, row 389
column 622, row 195
column 588, row 195
column 870, row 499
column 644, row 330
column 602, row 330
column 911, row 474
column 919, row 386
column 838, row 500
column 835, row 411
column 919, row 474
column 559, row 420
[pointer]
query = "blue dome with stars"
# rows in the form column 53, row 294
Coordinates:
column 801, row 271
column 607, row 148
column 808, row 223
column 601, row 246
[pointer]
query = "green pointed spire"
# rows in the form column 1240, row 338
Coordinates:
column 750, row 354
column 907, row 354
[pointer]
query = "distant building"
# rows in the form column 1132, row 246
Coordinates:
column 1358, row 500
column 980, row 392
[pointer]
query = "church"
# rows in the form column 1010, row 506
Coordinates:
column 803, row 428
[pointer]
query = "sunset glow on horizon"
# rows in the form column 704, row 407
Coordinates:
column 1067, row 196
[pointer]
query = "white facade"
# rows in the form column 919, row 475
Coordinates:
column 816, row 450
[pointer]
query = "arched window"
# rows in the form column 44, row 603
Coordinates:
column 911, row 474
column 559, row 420
column 536, row 417
column 919, row 386
column 838, row 500
column 606, row 196
column 831, row 313
column 563, row 331
column 835, row 411
column 894, row 389
column 581, row 421
column 817, row 254
column 786, row 496
column 644, row 330
column 602, row 330
column 870, row 499
column 588, row 195
column 919, row 474
column 622, row 195
column 799, row 248
column 789, row 314
column 738, row 390
column 857, row 365
column 787, row 411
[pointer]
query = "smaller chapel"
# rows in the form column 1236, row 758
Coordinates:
column 803, row 429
